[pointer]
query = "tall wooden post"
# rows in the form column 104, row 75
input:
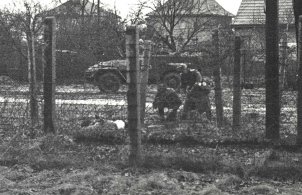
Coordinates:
column 299, row 104
column 283, row 62
column 133, row 95
column 297, row 7
column 272, row 123
column 244, row 63
column 145, row 78
column 49, row 64
column 33, row 88
column 236, row 85
column 217, row 80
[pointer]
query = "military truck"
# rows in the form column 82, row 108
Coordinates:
column 110, row 75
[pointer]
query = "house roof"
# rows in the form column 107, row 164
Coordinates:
column 206, row 7
column 252, row 12
column 75, row 7
column 211, row 7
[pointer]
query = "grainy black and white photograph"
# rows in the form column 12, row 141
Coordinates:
column 151, row 97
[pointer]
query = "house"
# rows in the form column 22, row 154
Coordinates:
column 90, row 31
column 82, row 25
column 249, row 23
column 77, row 8
column 251, row 14
column 74, row 13
column 179, row 26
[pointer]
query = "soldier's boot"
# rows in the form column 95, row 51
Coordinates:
column 208, row 110
column 161, row 113
column 172, row 115
column 184, row 115
column 186, row 109
column 209, row 114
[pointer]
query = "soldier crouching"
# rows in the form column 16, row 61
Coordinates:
column 166, row 98
column 198, row 99
column 189, row 77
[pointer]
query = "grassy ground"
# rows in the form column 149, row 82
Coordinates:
column 60, row 165
column 186, row 157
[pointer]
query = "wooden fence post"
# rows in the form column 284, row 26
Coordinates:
column 33, row 87
column 133, row 95
column 145, row 78
column 236, row 85
column 217, row 80
column 49, row 60
column 244, row 64
column 283, row 62
column 272, row 94
column 299, row 98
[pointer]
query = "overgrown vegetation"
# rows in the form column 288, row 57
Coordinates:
column 57, row 164
column 187, row 157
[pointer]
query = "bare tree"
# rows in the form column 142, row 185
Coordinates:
column 30, row 26
column 24, row 24
column 136, row 15
column 177, row 22
column 88, row 27
column 11, row 31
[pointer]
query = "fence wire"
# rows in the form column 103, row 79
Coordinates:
column 78, row 99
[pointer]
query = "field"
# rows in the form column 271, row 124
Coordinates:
column 185, row 157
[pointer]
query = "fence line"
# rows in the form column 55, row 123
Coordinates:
column 76, row 101
column 236, row 85
column 144, row 78
column 217, row 80
column 49, row 62
column 133, row 94
column 299, row 103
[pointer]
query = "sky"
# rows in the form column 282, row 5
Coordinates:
column 124, row 6
column 230, row 5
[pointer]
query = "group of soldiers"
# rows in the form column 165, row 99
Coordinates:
column 197, row 98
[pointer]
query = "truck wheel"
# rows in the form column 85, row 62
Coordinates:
column 108, row 82
column 172, row 80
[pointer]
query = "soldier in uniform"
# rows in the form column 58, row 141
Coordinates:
column 198, row 99
column 189, row 77
column 166, row 98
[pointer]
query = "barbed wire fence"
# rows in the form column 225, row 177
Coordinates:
column 253, row 85
column 76, row 99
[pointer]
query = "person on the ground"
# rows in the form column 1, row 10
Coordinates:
column 166, row 98
column 198, row 99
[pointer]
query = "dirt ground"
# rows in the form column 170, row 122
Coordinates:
column 187, row 157
column 63, row 164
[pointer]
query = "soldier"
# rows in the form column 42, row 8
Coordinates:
column 198, row 99
column 166, row 98
column 189, row 77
